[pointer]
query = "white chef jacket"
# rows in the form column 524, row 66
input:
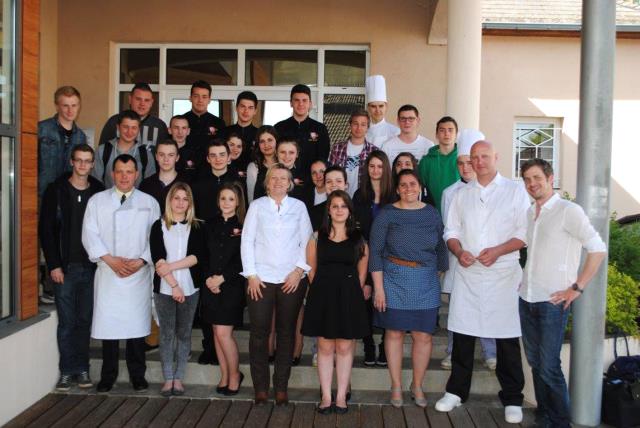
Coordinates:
column 274, row 241
column 484, row 300
column 418, row 147
column 380, row 132
column 556, row 239
column 122, row 306
column 447, row 196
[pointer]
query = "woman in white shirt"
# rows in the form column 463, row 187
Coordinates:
column 178, row 252
column 274, row 239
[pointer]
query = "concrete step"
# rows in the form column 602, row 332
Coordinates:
column 305, row 376
column 439, row 341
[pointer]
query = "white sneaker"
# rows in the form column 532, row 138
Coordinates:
column 448, row 402
column 491, row 363
column 513, row 414
column 446, row 362
column 314, row 360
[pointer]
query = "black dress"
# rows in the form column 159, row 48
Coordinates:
column 335, row 306
column 223, row 244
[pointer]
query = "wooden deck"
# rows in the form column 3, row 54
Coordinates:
column 91, row 410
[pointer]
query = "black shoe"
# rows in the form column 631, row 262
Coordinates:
column 84, row 380
column 324, row 410
column 295, row 362
column 104, row 385
column 340, row 410
column 382, row 357
column 230, row 391
column 272, row 358
column 47, row 298
column 222, row 389
column 140, row 385
column 64, row 383
column 369, row 355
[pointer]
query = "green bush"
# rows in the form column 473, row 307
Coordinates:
column 622, row 302
column 624, row 248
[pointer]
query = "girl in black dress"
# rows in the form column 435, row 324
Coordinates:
column 336, row 311
column 223, row 297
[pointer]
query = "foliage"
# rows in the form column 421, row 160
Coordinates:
column 622, row 302
column 624, row 248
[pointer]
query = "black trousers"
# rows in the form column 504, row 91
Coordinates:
column 508, row 370
column 134, row 355
column 286, row 306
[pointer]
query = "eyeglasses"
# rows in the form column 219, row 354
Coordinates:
column 407, row 119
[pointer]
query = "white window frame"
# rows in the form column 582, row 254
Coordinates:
column 557, row 135
column 319, row 90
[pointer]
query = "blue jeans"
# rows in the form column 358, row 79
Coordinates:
column 74, row 302
column 543, row 326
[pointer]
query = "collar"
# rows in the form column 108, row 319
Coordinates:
column 73, row 125
column 120, row 193
column 497, row 181
column 551, row 202
column 382, row 122
column 173, row 223
column 274, row 206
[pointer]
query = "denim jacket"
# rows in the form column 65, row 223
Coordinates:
column 54, row 150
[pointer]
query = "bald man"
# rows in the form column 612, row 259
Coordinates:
column 485, row 228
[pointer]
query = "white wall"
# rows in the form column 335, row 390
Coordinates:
column 29, row 362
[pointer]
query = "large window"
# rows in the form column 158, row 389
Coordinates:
column 336, row 75
column 537, row 138
column 7, row 138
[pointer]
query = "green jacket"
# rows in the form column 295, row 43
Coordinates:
column 438, row 171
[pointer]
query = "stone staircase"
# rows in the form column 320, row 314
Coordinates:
column 304, row 377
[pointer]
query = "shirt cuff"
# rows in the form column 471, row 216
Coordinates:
column 305, row 267
column 595, row 245
column 248, row 272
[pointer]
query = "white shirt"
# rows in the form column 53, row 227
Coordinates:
column 485, row 216
column 175, row 243
column 380, row 132
column 556, row 239
column 484, row 300
column 318, row 198
column 352, row 166
column 274, row 241
column 418, row 147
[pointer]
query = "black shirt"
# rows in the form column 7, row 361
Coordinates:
column 223, row 243
column 77, row 206
column 203, row 128
column 205, row 192
column 313, row 138
column 153, row 186
column 191, row 161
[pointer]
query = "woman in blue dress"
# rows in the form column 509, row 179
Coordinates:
column 406, row 254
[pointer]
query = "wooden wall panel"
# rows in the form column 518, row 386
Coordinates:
column 28, row 56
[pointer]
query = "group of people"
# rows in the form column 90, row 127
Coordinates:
column 326, row 241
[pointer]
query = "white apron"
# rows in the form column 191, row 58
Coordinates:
column 484, row 301
column 122, row 306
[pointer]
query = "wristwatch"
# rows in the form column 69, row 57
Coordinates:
column 576, row 287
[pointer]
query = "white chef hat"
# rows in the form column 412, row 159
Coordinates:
column 466, row 139
column 376, row 89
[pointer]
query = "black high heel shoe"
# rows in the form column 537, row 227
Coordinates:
column 222, row 389
column 230, row 391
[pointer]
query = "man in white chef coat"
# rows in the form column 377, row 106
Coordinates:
column 379, row 129
column 115, row 234
column 485, row 228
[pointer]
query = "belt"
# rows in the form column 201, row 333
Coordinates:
column 401, row 262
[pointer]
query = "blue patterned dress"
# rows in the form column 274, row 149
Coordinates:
column 412, row 293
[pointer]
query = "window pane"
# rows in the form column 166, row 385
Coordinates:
column 272, row 112
column 124, row 102
column 337, row 109
column 281, row 67
column 216, row 66
column 140, row 65
column 6, row 62
column 6, row 220
column 344, row 68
